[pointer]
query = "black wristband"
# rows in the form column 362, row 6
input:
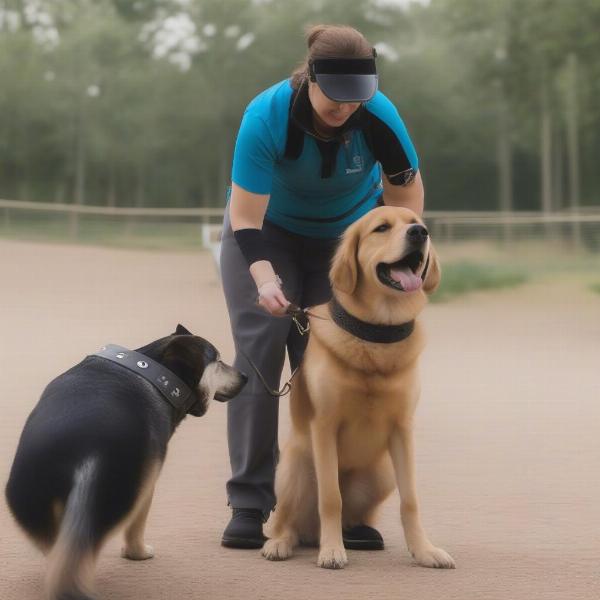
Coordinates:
column 252, row 245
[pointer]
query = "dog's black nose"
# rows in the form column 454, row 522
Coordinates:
column 417, row 234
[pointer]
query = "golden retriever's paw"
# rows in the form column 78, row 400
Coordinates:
column 332, row 558
column 433, row 557
column 277, row 549
column 143, row 552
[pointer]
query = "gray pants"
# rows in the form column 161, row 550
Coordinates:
column 252, row 417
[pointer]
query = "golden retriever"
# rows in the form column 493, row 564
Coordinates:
column 353, row 401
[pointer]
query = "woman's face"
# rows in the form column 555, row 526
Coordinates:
column 329, row 112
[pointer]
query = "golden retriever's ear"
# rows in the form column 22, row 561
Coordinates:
column 344, row 267
column 434, row 272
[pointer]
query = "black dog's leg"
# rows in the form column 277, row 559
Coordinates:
column 135, row 548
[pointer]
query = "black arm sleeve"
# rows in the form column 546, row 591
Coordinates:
column 388, row 150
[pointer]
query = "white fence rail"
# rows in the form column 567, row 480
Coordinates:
column 111, row 211
column 587, row 214
column 580, row 228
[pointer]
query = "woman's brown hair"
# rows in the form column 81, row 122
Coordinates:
column 331, row 41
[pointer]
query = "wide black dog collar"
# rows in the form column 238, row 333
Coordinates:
column 369, row 332
column 174, row 390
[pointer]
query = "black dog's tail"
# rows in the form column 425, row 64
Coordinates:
column 72, row 559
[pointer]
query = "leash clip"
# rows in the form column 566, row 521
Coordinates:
column 302, row 330
column 295, row 312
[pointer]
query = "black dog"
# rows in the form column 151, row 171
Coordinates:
column 92, row 449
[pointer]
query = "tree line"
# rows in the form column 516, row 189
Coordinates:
column 123, row 103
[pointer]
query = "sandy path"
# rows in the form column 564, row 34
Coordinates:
column 507, row 437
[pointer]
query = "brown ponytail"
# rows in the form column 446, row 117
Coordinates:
column 331, row 41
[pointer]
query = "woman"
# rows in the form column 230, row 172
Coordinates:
column 313, row 154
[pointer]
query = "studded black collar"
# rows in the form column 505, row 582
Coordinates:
column 173, row 389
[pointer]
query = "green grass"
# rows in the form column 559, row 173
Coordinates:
column 463, row 277
column 595, row 287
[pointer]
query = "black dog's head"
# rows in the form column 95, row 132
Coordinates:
column 197, row 362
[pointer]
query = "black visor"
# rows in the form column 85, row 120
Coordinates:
column 345, row 79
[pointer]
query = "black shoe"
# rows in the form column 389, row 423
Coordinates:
column 245, row 530
column 362, row 537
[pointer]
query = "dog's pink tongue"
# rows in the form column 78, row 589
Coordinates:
column 407, row 279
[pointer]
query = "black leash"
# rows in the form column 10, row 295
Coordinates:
column 298, row 315
column 277, row 393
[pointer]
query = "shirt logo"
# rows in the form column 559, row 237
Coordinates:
column 357, row 165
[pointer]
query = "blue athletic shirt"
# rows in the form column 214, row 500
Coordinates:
column 318, row 187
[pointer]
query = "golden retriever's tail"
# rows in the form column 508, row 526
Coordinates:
column 72, row 559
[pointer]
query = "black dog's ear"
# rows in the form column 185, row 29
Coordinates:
column 184, row 352
column 181, row 330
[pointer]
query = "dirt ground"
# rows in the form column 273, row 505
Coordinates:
column 508, row 438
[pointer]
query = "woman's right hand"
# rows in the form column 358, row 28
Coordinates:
column 272, row 298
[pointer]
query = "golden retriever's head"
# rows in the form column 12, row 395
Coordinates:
column 386, row 252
